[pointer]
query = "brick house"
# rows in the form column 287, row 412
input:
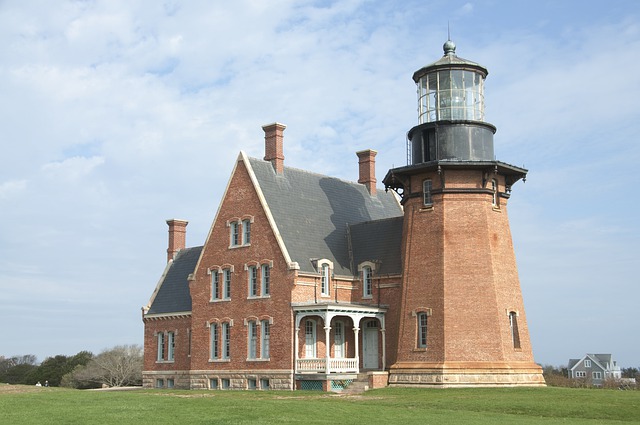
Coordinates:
column 306, row 281
column 594, row 369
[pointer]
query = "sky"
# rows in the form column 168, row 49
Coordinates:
column 117, row 115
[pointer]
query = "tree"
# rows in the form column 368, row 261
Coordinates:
column 116, row 367
column 18, row 369
column 54, row 368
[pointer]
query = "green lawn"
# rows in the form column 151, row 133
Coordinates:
column 29, row 405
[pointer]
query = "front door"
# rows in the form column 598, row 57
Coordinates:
column 370, row 345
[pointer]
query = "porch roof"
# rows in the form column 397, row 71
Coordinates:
column 346, row 308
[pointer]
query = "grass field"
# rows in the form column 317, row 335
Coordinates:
column 31, row 405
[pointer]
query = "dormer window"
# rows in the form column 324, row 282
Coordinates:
column 325, row 279
column 366, row 273
column 325, row 268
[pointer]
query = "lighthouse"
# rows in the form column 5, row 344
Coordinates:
column 461, row 319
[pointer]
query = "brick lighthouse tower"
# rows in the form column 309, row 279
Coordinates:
column 462, row 319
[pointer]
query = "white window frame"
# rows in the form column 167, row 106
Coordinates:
column 326, row 271
column 252, row 277
column 161, row 344
column 427, row 189
column 587, row 363
column 422, row 321
column 216, row 293
column 226, row 341
column 246, row 232
column 171, row 346
column 226, row 284
column 367, row 282
column 265, row 335
column 265, row 280
column 310, row 340
column 580, row 374
column 234, row 234
column 214, row 335
column 252, row 339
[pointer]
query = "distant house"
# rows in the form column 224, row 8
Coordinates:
column 594, row 368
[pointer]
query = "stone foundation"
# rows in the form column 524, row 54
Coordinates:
column 232, row 380
column 466, row 374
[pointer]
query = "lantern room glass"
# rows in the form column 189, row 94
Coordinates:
column 451, row 94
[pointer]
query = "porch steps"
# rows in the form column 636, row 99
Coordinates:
column 359, row 385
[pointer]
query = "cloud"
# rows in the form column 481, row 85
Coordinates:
column 9, row 188
column 72, row 169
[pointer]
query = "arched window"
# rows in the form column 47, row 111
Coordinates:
column 265, row 334
column 325, row 278
column 367, row 284
column 253, row 339
column 310, row 339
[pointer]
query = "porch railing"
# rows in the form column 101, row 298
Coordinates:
column 342, row 365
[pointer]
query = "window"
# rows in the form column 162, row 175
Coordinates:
column 265, row 277
column 367, row 286
column 213, row 383
column 171, row 345
column 310, row 339
column 596, row 375
column 324, row 277
column 264, row 384
column 580, row 374
column 422, row 330
column 587, row 363
column 253, row 339
column 235, row 233
column 252, row 384
column 226, row 273
column 252, row 272
column 426, row 189
column 225, row 384
column 246, row 232
column 159, row 383
column 189, row 337
column 170, row 383
column 215, row 285
column 513, row 323
column 265, row 333
column 161, row 343
column 226, row 341
column 338, row 339
column 215, row 341
column 494, row 191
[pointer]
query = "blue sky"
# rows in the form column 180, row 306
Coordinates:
column 117, row 115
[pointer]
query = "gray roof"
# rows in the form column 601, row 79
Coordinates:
column 173, row 294
column 378, row 241
column 312, row 213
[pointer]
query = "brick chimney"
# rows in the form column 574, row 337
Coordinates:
column 177, row 237
column 367, row 163
column 273, row 140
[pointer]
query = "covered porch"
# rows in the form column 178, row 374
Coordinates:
column 353, row 340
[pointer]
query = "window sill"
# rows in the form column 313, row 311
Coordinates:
column 219, row 360
column 496, row 209
column 239, row 246
column 165, row 361
column 426, row 208
column 420, row 350
column 258, row 297
column 220, row 300
column 367, row 297
column 258, row 360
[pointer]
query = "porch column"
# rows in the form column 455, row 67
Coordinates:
column 295, row 349
column 384, row 348
column 327, row 329
column 356, row 332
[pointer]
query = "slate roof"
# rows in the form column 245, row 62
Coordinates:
column 379, row 241
column 173, row 293
column 313, row 212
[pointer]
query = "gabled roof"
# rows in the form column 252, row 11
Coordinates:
column 172, row 293
column 312, row 213
column 603, row 361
